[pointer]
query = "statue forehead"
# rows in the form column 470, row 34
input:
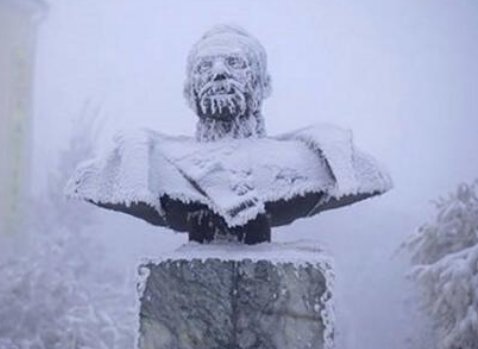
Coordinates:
column 221, row 51
column 226, row 40
column 221, row 45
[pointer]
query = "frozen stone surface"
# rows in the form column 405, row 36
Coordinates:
column 237, row 303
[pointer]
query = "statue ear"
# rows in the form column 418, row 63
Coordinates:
column 266, row 86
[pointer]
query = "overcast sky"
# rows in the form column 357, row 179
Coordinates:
column 401, row 74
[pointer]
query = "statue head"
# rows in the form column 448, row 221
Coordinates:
column 227, row 81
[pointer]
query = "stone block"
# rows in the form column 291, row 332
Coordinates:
column 241, row 298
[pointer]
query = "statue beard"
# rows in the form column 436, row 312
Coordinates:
column 224, row 100
column 227, row 109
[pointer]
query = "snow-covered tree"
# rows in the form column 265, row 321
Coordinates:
column 60, row 295
column 445, row 253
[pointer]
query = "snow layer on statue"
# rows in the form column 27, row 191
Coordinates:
column 233, row 177
column 298, row 253
column 222, row 40
column 298, row 296
column 354, row 171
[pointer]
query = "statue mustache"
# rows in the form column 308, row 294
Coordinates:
column 227, row 86
column 217, row 96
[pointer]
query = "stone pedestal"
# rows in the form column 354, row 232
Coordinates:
column 270, row 296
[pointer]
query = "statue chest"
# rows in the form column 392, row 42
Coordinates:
column 237, row 177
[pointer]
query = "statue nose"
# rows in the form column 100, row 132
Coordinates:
column 220, row 71
column 219, row 77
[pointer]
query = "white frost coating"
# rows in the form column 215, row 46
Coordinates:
column 142, row 277
column 227, row 75
column 328, row 312
column 234, row 178
column 228, row 38
column 354, row 171
column 299, row 253
column 211, row 130
column 133, row 171
column 106, row 180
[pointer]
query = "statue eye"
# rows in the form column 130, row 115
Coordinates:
column 203, row 66
column 236, row 62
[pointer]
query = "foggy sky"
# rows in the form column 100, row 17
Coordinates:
column 401, row 74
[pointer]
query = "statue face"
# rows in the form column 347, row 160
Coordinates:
column 226, row 82
column 223, row 83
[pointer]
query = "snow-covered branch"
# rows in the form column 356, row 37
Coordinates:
column 445, row 253
column 59, row 294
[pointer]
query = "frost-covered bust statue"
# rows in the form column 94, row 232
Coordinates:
column 232, row 181
column 227, row 81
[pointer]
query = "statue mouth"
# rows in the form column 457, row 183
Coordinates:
column 222, row 100
column 225, row 87
column 219, row 91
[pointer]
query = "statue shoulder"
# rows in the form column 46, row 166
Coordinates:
column 133, row 170
column 144, row 136
column 354, row 171
column 320, row 133
column 146, row 144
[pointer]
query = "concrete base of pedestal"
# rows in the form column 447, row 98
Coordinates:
column 269, row 296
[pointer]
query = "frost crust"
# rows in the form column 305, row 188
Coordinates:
column 234, row 178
